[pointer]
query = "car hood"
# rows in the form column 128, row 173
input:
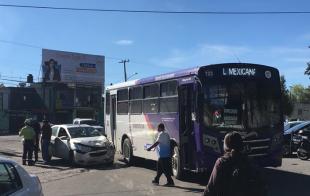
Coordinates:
column 91, row 141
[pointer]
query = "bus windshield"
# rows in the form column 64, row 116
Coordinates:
column 241, row 105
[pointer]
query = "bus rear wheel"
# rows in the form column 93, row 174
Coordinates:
column 177, row 170
column 127, row 152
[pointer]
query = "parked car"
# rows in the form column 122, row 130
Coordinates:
column 291, row 124
column 89, row 121
column 292, row 137
column 81, row 144
column 15, row 181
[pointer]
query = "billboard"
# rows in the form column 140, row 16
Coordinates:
column 71, row 67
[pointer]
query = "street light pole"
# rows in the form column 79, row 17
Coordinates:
column 125, row 72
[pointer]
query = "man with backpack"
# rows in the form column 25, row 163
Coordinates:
column 233, row 174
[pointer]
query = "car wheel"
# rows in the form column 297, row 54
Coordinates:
column 127, row 152
column 177, row 170
column 302, row 154
column 286, row 150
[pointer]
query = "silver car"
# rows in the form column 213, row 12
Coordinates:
column 81, row 144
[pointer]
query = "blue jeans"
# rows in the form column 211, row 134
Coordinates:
column 44, row 147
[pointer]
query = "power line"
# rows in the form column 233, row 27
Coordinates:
column 156, row 11
column 19, row 43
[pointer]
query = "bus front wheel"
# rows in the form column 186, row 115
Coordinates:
column 127, row 152
column 176, row 164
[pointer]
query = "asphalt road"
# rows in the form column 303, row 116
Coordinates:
column 59, row 178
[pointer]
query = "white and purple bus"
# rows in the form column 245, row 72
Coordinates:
column 198, row 107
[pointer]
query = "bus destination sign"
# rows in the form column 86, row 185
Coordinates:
column 239, row 71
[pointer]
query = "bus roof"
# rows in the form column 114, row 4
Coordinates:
column 166, row 76
column 177, row 74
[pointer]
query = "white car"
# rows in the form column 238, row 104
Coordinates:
column 89, row 121
column 81, row 144
column 15, row 181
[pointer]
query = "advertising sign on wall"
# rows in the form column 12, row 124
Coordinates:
column 70, row 67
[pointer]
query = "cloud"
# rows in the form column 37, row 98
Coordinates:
column 201, row 55
column 124, row 42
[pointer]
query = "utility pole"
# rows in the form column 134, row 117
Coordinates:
column 125, row 72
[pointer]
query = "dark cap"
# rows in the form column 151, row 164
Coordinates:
column 233, row 141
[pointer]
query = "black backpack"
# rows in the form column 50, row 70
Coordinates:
column 246, row 180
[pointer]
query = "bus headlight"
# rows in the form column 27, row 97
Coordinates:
column 211, row 142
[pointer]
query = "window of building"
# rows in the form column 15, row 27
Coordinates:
column 168, row 88
column 9, row 179
column 107, row 101
column 151, row 91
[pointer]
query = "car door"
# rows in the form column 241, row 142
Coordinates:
column 62, row 145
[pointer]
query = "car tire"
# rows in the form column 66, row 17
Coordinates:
column 286, row 150
column 177, row 170
column 127, row 152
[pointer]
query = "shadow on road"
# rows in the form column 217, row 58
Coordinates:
column 287, row 183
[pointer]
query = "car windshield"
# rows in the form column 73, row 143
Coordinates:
column 89, row 122
column 241, row 105
column 297, row 127
column 77, row 132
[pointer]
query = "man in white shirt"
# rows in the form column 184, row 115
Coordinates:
column 164, row 155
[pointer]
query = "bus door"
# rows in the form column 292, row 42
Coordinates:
column 113, row 119
column 187, row 142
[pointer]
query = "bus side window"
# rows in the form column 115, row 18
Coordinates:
column 122, row 101
column 168, row 97
column 135, row 96
column 150, row 102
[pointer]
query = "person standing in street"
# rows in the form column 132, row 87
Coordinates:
column 46, row 132
column 164, row 155
column 28, row 135
column 37, row 129
column 233, row 174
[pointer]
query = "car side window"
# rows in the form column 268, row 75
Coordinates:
column 54, row 130
column 62, row 132
column 9, row 179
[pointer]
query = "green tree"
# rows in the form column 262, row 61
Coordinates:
column 300, row 93
column 286, row 101
column 307, row 72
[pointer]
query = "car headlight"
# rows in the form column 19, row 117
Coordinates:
column 82, row 148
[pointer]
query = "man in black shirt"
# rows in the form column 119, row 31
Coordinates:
column 46, row 131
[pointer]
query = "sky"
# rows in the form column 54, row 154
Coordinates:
column 157, row 43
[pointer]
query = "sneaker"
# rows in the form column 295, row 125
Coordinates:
column 169, row 184
column 155, row 182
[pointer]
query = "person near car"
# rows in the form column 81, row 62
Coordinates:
column 164, row 155
column 233, row 172
column 28, row 135
column 37, row 129
column 46, row 133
